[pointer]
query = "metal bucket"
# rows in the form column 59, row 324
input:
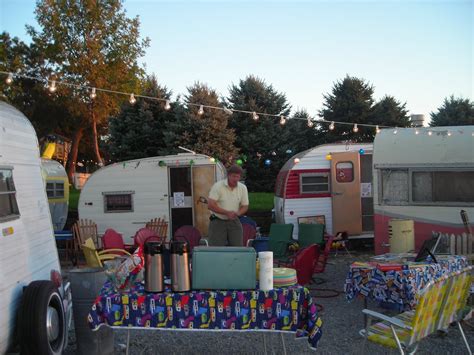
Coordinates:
column 85, row 286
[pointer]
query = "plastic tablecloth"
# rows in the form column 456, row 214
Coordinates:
column 397, row 288
column 288, row 309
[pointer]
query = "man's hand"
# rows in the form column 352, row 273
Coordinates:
column 232, row 215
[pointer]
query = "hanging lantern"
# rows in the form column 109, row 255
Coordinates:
column 161, row 163
column 296, row 160
column 268, row 162
column 212, row 159
column 361, row 151
column 328, row 156
column 239, row 162
column 289, row 151
column 191, row 163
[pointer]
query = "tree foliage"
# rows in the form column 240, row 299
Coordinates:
column 351, row 101
column 454, row 112
column 89, row 43
column 262, row 139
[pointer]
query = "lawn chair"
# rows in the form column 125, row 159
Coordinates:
column 83, row 229
column 279, row 238
column 95, row 258
column 113, row 240
column 144, row 235
column 440, row 303
column 190, row 235
column 159, row 226
column 323, row 258
column 303, row 261
column 310, row 234
column 248, row 235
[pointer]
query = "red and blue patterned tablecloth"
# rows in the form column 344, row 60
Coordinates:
column 284, row 309
column 397, row 287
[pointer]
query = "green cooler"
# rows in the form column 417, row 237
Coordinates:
column 223, row 268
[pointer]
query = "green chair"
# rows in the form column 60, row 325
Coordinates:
column 278, row 239
column 310, row 234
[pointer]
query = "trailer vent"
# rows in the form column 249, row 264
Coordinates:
column 401, row 233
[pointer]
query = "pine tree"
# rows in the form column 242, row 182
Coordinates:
column 454, row 112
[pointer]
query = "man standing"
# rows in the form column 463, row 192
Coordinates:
column 228, row 199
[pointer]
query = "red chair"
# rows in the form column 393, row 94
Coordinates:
column 113, row 240
column 188, row 234
column 249, row 233
column 146, row 235
column 323, row 258
column 304, row 262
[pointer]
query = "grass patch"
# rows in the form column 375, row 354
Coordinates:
column 261, row 201
column 73, row 197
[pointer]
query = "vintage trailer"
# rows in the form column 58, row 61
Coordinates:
column 57, row 190
column 423, row 174
column 126, row 195
column 330, row 183
column 35, row 310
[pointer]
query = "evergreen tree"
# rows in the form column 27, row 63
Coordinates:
column 138, row 131
column 454, row 112
column 388, row 112
column 302, row 136
column 207, row 133
column 262, row 139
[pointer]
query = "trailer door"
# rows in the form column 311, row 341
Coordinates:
column 204, row 177
column 180, row 197
column 345, row 192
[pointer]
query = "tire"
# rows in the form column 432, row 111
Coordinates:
column 41, row 304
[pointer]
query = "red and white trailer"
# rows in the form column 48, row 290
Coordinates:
column 423, row 174
column 330, row 183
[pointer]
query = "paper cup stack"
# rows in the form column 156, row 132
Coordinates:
column 265, row 273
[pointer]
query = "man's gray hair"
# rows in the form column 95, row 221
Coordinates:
column 234, row 169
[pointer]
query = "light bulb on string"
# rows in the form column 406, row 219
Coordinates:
column 282, row 120
column 355, row 129
column 417, row 132
column 310, row 123
column 449, row 133
column 377, row 129
column 430, row 133
column 331, row 126
column 9, row 79
column 201, row 110
column 52, row 88
column 228, row 111
column 93, row 94
column 132, row 99
column 255, row 116
column 395, row 131
column 167, row 105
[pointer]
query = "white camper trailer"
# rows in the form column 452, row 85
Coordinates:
column 329, row 184
column 423, row 174
column 57, row 190
column 126, row 195
column 35, row 305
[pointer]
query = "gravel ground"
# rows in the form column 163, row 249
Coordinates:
column 342, row 321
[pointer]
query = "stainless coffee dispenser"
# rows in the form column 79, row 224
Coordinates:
column 180, row 280
column 154, row 267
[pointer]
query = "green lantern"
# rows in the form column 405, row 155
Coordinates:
column 161, row 163
column 239, row 162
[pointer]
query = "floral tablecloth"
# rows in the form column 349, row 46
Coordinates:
column 283, row 309
column 397, row 287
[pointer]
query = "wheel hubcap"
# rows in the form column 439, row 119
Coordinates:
column 52, row 323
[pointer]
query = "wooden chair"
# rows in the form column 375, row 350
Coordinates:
column 159, row 226
column 440, row 303
column 81, row 231
column 95, row 258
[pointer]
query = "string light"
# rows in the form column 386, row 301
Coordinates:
column 417, row 132
column 449, row 133
column 9, row 78
column 395, row 131
column 355, row 129
column 377, row 129
column 430, row 133
column 93, row 94
column 255, row 115
column 310, row 123
column 52, row 88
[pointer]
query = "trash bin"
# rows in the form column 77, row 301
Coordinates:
column 85, row 286
column 261, row 244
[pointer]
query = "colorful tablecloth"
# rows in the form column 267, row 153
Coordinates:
column 397, row 287
column 283, row 309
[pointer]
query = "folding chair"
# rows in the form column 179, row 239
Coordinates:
column 279, row 238
column 310, row 234
column 190, row 235
column 249, row 233
column 303, row 261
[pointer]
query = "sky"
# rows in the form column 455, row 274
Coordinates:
column 420, row 52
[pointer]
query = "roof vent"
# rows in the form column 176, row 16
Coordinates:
column 417, row 120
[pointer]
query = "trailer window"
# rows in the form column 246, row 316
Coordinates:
column 120, row 201
column 55, row 189
column 8, row 204
column 345, row 171
column 314, row 183
column 394, row 186
column 443, row 186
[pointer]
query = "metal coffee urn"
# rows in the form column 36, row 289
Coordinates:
column 154, row 267
column 180, row 281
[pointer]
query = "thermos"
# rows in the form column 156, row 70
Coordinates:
column 154, row 267
column 180, row 281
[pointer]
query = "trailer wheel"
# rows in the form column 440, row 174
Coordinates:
column 42, row 325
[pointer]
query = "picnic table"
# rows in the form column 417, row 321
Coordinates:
column 289, row 309
column 397, row 287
